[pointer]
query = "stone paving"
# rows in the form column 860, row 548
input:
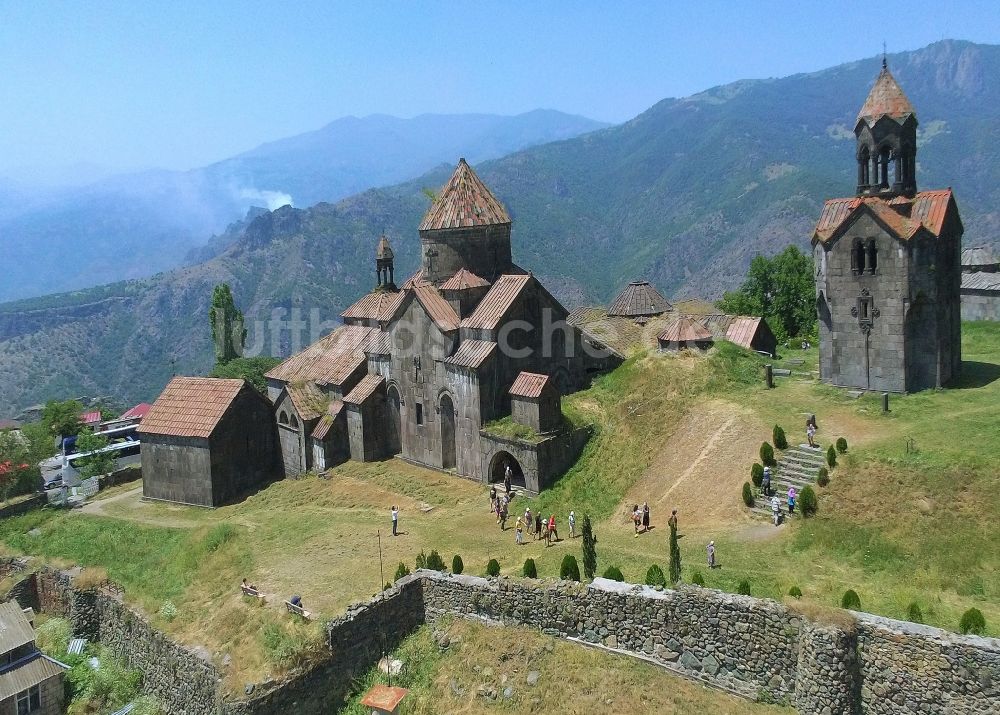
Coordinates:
column 798, row 467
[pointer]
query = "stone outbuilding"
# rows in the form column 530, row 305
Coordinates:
column 887, row 263
column 536, row 403
column 207, row 442
column 980, row 284
column 685, row 333
column 30, row 681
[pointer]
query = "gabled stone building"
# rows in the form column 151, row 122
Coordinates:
column 887, row 262
column 420, row 370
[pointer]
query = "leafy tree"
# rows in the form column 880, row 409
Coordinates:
column 250, row 369
column 401, row 571
column 807, row 501
column 675, row 556
column 778, row 437
column 21, row 452
column 780, row 289
column 97, row 464
column 493, row 568
column 655, row 577
column 421, row 560
column 569, row 570
column 589, row 548
column 62, row 419
column 529, row 569
column 851, row 600
column 972, row 622
column 229, row 335
column 456, row 564
column 613, row 573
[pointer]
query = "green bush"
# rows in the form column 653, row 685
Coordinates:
column 456, row 564
column 747, row 494
column 529, row 569
column 778, row 436
column 743, row 588
column 613, row 573
column 914, row 614
column 841, row 445
column 435, row 562
column 168, row 611
column 569, row 570
column 655, row 577
column 401, row 571
column 795, row 592
column 697, row 579
column 767, row 454
column 757, row 474
column 421, row 560
column 972, row 622
column 831, row 456
column 851, row 600
column 53, row 636
column 493, row 568
column 807, row 502
column 823, row 476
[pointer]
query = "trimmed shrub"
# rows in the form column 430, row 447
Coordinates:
column 743, row 588
column 569, row 570
column 493, row 568
column 456, row 564
column 823, row 476
column 795, row 592
column 972, row 622
column 401, row 571
column 851, row 600
column 831, row 456
column 697, row 579
column 529, row 569
column 613, row 573
column 767, row 454
column 747, row 494
column 421, row 560
column 807, row 501
column 435, row 562
column 778, row 436
column 914, row 614
column 168, row 611
column 841, row 445
column 757, row 474
column 655, row 577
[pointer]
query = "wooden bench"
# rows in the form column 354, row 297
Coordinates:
column 298, row 610
column 252, row 592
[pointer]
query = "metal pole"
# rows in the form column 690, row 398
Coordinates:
column 885, row 402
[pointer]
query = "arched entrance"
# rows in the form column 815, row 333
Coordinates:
column 498, row 467
column 447, row 432
column 393, row 440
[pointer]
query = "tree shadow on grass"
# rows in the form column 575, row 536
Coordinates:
column 975, row 374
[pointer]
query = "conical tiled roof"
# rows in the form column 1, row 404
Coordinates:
column 638, row 300
column 384, row 250
column 464, row 201
column 886, row 99
column 685, row 330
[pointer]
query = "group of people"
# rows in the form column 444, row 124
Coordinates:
column 776, row 506
column 640, row 518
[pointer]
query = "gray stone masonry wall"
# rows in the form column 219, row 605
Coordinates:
column 980, row 305
column 23, row 507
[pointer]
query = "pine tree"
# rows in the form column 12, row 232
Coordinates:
column 226, row 320
column 675, row 556
column 589, row 548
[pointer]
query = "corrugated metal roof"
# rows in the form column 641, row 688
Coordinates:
column 496, row 302
column 529, row 384
column 326, row 421
column 684, row 330
column 742, row 331
column 27, row 673
column 904, row 216
column 979, row 256
column 308, row 400
column 380, row 305
column 980, row 280
column 330, row 360
column 90, row 418
column 638, row 299
column 15, row 629
column 886, row 99
column 191, row 406
column 137, row 412
column 464, row 201
column 438, row 309
column 464, row 279
column 472, row 353
column 364, row 389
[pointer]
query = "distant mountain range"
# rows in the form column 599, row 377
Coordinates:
column 134, row 225
column 684, row 195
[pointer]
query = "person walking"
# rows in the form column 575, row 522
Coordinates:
column 776, row 509
column 395, row 519
column 519, row 531
column 791, row 500
column 553, row 534
column 645, row 516
column 636, row 519
column 493, row 500
column 572, row 525
column 711, row 554
column 503, row 517
column 538, row 525
column 766, row 483
column 507, row 474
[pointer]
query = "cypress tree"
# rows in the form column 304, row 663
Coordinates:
column 589, row 548
column 675, row 556
column 229, row 336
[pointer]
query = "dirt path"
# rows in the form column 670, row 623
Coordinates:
column 133, row 508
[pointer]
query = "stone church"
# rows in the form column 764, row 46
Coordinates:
column 887, row 262
column 421, row 370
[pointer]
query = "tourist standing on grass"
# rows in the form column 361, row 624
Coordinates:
column 672, row 521
column 506, row 478
column 527, row 518
column 636, row 519
column 572, row 525
column 776, row 509
column 553, row 534
column 538, row 525
column 503, row 517
column 791, row 500
column 711, row 554
column 766, row 483
column 395, row 519
column 493, row 499
column 645, row 516
column 519, row 531
column 811, row 432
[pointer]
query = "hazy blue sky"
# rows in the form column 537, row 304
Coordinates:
column 180, row 84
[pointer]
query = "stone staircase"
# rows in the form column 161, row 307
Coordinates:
column 797, row 467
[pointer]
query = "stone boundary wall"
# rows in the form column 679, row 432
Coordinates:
column 23, row 507
column 120, row 476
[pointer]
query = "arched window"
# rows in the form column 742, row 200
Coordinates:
column 864, row 167
column 283, row 417
column 858, row 258
column 872, row 256
column 884, row 155
column 294, row 422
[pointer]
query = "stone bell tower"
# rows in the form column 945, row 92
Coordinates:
column 384, row 264
column 886, row 132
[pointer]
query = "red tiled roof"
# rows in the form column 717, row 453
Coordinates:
column 464, row 279
column 328, row 361
column 326, row 421
column 464, row 201
column 439, row 310
column 137, row 412
column 472, row 353
column 380, row 344
column 639, row 298
column 364, row 389
column 927, row 210
column 529, row 384
column 497, row 302
column 416, row 280
column 380, row 305
column 90, row 418
column 886, row 100
column 191, row 406
column 684, row 330
column 742, row 331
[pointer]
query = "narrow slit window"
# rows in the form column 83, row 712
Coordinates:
column 420, row 413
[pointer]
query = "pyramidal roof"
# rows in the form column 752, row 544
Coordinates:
column 384, row 250
column 886, row 99
column 464, row 201
column 639, row 299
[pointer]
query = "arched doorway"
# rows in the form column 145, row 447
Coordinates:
column 393, row 439
column 498, row 467
column 447, row 432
